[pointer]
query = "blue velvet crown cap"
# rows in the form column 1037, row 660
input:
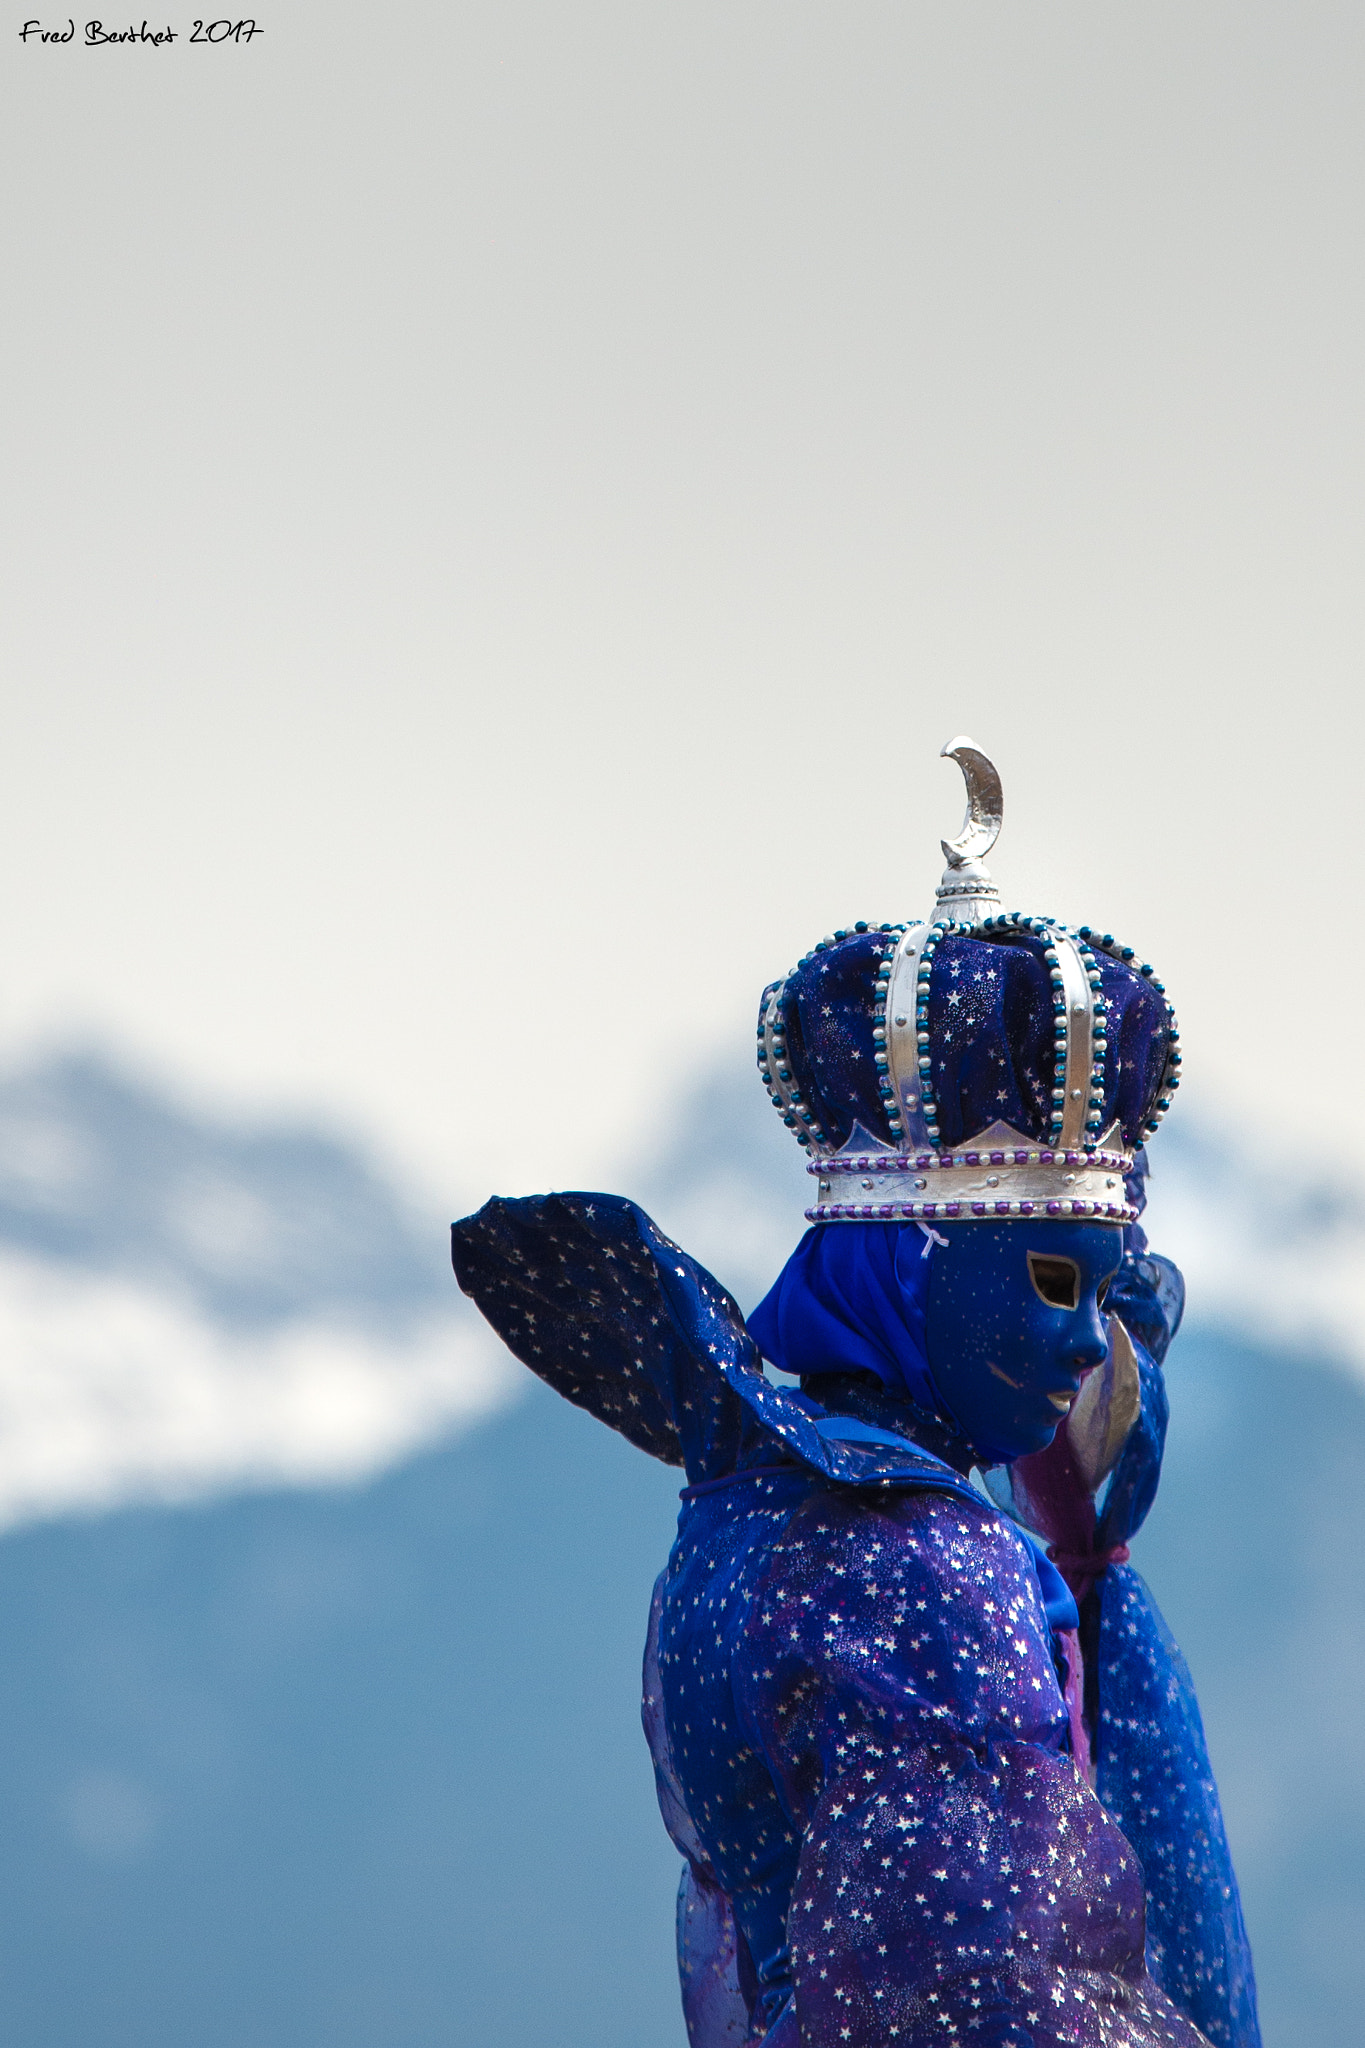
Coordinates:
column 982, row 1063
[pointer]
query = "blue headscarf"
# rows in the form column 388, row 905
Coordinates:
column 852, row 1298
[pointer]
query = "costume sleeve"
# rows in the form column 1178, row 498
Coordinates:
column 1151, row 1758
column 588, row 1292
column 1156, row 1780
column 957, row 1877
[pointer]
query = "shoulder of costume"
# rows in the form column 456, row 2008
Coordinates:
column 587, row 1291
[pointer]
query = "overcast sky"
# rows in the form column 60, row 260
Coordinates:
column 503, row 505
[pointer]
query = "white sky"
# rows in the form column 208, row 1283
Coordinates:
column 503, row 504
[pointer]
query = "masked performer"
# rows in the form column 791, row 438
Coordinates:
column 932, row 1758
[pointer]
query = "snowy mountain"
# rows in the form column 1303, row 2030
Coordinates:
column 188, row 1306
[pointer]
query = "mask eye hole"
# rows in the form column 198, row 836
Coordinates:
column 1056, row 1281
column 1103, row 1290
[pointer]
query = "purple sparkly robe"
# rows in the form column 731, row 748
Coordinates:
column 854, row 1696
column 856, row 1719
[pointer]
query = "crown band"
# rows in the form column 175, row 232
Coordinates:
column 1000, row 1174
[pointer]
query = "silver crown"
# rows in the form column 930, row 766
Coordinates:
column 1080, row 1169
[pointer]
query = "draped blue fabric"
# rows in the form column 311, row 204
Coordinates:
column 852, row 1298
column 588, row 1292
column 853, row 1694
column 1156, row 1780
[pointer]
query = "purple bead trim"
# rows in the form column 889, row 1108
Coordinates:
column 899, row 1162
column 910, row 1212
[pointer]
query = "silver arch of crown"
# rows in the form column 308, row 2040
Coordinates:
column 1079, row 1171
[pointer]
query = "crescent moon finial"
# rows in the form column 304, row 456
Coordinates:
column 985, row 803
column 967, row 893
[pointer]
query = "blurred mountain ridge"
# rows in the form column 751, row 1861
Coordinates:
column 255, row 1224
column 191, row 1304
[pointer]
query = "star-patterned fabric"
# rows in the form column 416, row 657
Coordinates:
column 990, row 1029
column 855, row 1704
column 1156, row 1780
column 857, row 1701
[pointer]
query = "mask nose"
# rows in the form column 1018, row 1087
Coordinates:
column 1088, row 1348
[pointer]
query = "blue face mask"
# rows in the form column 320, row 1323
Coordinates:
column 1012, row 1322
